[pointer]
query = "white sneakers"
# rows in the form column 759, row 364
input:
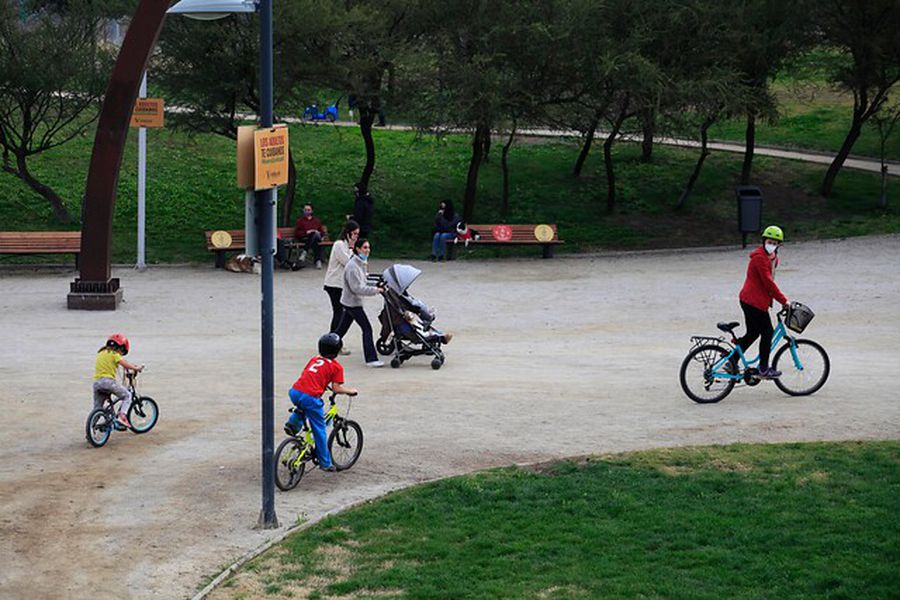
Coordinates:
column 319, row 265
column 344, row 351
column 375, row 364
column 302, row 257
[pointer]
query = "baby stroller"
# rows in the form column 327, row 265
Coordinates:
column 407, row 328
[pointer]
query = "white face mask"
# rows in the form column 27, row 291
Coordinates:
column 771, row 248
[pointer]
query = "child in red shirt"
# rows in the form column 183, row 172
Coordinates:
column 306, row 394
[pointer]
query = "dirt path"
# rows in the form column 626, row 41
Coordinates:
column 598, row 339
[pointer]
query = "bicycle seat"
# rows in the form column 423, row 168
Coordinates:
column 728, row 327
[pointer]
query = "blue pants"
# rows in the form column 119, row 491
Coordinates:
column 312, row 409
column 439, row 243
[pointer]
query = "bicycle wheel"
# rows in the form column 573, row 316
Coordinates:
column 143, row 414
column 288, row 466
column 345, row 443
column 696, row 375
column 806, row 377
column 98, row 427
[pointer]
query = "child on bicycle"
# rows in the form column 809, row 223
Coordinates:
column 306, row 394
column 109, row 358
column 756, row 297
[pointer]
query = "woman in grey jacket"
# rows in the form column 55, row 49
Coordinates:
column 356, row 287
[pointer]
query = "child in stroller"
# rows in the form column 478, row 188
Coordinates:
column 407, row 323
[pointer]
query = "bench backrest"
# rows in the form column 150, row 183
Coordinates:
column 521, row 234
column 40, row 242
column 238, row 238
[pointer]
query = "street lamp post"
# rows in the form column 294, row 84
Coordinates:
column 265, row 209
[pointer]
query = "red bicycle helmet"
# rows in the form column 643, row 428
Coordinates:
column 119, row 340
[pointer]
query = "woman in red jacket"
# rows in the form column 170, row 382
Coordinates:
column 756, row 298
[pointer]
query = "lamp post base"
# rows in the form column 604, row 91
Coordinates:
column 94, row 295
column 267, row 521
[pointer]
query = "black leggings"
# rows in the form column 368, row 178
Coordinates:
column 337, row 311
column 759, row 325
column 356, row 313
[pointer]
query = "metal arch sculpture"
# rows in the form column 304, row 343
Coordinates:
column 94, row 289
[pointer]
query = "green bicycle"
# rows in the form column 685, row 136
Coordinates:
column 345, row 442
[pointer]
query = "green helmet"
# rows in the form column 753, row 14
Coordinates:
column 773, row 232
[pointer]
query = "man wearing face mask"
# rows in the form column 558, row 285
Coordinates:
column 756, row 298
column 310, row 230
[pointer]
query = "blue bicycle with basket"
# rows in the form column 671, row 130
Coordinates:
column 715, row 365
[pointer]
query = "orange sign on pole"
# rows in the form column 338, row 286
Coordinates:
column 147, row 112
column 271, row 150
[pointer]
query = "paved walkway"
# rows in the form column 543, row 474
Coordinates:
column 552, row 358
column 824, row 158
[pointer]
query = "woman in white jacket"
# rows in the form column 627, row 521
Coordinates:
column 356, row 287
column 341, row 253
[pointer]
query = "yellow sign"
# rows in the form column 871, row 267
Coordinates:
column 543, row 233
column 147, row 112
column 271, row 149
column 220, row 239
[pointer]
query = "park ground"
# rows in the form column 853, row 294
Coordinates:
column 553, row 358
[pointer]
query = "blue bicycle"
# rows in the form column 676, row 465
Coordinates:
column 714, row 365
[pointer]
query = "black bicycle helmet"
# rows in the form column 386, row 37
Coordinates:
column 330, row 345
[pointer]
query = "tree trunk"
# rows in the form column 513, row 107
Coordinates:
column 749, row 146
column 704, row 152
column 607, row 159
column 289, row 192
column 366, row 118
column 504, row 168
column 487, row 149
column 648, row 126
column 474, row 165
column 56, row 203
column 838, row 162
column 586, row 147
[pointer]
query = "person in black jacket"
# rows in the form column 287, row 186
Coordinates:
column 445, row 222
column 363, row 208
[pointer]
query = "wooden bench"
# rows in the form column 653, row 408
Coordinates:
column 41, row 242
column 506, row 235
column 238, row 242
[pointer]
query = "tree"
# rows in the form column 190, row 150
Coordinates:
column 211, row 68
column 767, row 33
column 52, row 75
column 866, row 33
column 885, row 120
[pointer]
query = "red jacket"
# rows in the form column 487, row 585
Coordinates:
column 305, row 224
column 759, row 288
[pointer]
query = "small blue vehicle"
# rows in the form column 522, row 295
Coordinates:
column 312, row 113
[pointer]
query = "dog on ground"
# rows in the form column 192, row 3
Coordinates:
column 243, row 263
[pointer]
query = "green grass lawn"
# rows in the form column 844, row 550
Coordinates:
column 817, row 520
column 191, row 189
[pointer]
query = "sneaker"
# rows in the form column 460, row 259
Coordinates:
column 448, row 337
column 375, row 364
column 440, row 259
column 769, row 373
column 302, row 257
column 122, row 420
column 328, row 469
column 433, row 258
column 319, row 264
column 344, row 351
column 290, row 430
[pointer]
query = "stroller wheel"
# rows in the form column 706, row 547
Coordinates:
column 395, row 363
column 385, row 347
column 436, row 363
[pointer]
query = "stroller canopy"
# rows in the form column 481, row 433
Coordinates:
column 400, row 277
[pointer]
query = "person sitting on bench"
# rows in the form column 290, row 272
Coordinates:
column 309, row 230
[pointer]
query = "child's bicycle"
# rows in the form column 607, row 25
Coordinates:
column 142, row 415
column 345, row 442
column 714, row 366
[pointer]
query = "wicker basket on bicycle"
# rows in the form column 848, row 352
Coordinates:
column 798, row 317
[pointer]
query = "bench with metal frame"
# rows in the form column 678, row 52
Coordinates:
column 512, row 235
column 41, row 242
column 238, row 243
